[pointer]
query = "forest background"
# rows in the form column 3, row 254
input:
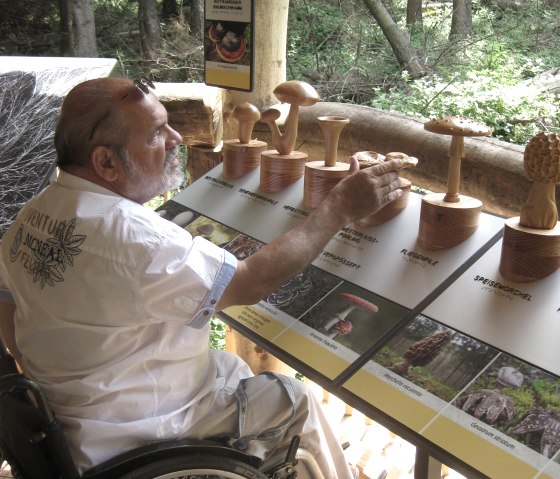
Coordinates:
column 495, row 61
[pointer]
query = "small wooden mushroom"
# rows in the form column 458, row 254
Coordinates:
column 339, row 323
column 246, row 115
column 531, row 242
column 242, row 155
column 323, row 176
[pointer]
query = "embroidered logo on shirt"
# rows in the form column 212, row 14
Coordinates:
column 46, row 259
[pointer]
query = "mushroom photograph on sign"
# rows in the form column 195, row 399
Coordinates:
column 436, row 358
column 228, row 44
column 354, row 317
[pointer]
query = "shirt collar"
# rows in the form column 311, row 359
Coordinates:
column 75, row 182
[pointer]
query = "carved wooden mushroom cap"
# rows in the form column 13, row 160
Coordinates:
column 370, row 158
column 423, row 351
column 541, row 159
column 457, row 126
column 270, row 115
column 407, row 161
column 360, row 303
column 296, row 92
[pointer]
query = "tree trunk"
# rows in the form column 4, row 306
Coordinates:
column 399, row 43
column 269, row 68
column 64, row 27
column 461, row 20
column 169, row 10
column 414, row 12
column 196, row 18
column 79, row 28
column 150, row 35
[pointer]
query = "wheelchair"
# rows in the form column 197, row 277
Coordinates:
column 33, row 444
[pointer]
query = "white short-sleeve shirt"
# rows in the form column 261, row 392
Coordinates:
column 113, row 308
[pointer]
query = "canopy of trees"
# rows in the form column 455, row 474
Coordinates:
column 493, row 60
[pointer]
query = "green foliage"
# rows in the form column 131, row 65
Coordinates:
column 485, row 77
column 217, row 333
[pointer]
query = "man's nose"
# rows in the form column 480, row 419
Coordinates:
column 173, row 138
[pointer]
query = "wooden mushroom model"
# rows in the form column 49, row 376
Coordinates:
column 340, row 324
column 531, row 242
column 388, row 212
column 242, row 155
column 283, row 166
column 447, row 220
column 422, row 352
column 322, row 176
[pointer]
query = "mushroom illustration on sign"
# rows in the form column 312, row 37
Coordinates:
column 283, row 166
column 340, row 324
column 531, row 243
column 422, row 352
column 242, row 155
column 448, row 219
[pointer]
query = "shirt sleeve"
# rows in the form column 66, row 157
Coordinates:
column 185, row 279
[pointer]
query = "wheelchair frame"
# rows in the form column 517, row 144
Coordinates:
column 34, row 445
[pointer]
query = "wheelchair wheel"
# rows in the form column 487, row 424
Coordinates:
column 199, row 466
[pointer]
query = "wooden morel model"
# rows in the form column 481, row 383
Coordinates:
column 531, row 242
column 283, row 166
column 242, row 155
column 447, row 220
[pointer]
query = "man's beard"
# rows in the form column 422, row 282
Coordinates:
column 171, row 178
column 173, row 175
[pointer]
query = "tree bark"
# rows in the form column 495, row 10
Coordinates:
column 461, row 20
column 399, row 43
column 150, row 35
column 79, row 27
column 269, row 69
column 196, row 18
column 414, row 12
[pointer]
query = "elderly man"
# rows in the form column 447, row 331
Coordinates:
column 111, row 303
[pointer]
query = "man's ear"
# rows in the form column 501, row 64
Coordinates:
column 105, row 164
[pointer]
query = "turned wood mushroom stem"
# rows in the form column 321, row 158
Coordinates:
column 332, row 126
column 456, row 154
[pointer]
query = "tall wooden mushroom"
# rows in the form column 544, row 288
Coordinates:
column 531, row 242
column 322, row 176
column 283, row 166
column 242, row 155
column 447, row 220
